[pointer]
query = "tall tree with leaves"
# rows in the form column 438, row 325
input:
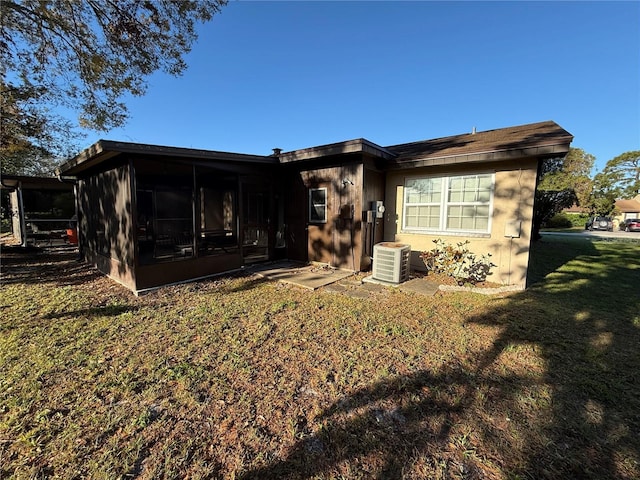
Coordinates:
column 602, row 200
column 623, row 173
column 84, row 56
column 29, row 138
column 561, row 183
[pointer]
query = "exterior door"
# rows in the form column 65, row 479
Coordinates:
column 321, row 223
column 256, row 222
column 296, row 212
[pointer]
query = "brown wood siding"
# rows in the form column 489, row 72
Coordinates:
column 121, row 273
column 372, row 233
column 156, row 275
column 296, row 204
column 105, row 222
column 339, row 240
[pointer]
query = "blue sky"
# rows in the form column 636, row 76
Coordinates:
column 299, row 74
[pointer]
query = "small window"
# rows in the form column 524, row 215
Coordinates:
column 318, row 205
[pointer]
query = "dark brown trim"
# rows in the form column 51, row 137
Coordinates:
column 105, row 149
column 11, row 182
column 491, row 156
column 359, row 145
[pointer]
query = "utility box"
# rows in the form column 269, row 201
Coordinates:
column 378, row 207
column 391, row 262
column 512, row 228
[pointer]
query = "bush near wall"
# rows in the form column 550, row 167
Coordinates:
column 567, row 220
column 559, row 220
column 458, row 262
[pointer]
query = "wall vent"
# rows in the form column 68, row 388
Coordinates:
column 391, row 262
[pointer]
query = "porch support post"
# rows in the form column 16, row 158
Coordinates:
column 20, row 222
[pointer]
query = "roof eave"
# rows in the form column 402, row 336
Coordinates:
column 11, row 182
column 87, row 158
column 540, row 151
column 359, row 145
column 106, row 149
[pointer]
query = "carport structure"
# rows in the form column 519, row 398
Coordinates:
column 42, row 208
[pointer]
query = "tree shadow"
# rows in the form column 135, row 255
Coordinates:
column 590, row 356
column 58, row 266
column 554, row 396
column 107, row 310
column 548, row 254
column 386, row 427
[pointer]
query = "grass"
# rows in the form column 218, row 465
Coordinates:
column 243, row 378
column 574, row 229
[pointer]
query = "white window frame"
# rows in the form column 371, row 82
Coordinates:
column 312, row 206
column 445, row 204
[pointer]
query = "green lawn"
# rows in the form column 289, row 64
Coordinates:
column 243, row 378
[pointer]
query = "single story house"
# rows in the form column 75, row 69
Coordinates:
column 628, row 208
column 154, row 215
column 623, row 209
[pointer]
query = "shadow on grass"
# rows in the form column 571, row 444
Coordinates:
column 106, row 311
column 250, row 283
column 555, row 396
column 57, row 265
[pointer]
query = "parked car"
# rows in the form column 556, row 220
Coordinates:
column 630, row 225
column 599, row 223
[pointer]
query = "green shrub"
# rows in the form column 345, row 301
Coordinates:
column 559, row 220
column 457, row 262
column 579, row 220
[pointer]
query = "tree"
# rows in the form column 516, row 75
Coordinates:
column 28, row 136
column 561, row 183
column 84, row 56
column 623, row 174
column 602, row 199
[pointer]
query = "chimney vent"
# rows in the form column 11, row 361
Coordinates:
column 473, row 131
column 277, row 151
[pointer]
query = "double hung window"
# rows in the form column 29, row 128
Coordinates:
column 448, row 204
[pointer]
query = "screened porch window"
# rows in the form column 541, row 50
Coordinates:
column 174, row 225
column 165, row 215
column 448, row 204
column 218, row 226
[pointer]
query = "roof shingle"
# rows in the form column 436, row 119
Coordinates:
column 540, row 134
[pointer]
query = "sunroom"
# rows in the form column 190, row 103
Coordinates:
column 155, row 216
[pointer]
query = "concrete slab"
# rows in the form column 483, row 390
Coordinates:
column 415, row 285
column 357, row 293
column 310, row 277
column 335, row 288
column 373, row 287
column 371, row 280
column 420, row 286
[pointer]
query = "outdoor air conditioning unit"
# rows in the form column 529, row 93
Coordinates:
column 391, row 262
